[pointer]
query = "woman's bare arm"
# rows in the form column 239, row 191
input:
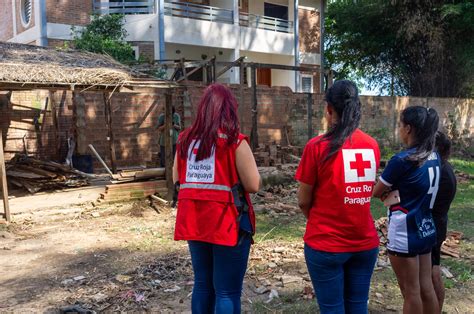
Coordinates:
column 305, row 198
column 247, row 168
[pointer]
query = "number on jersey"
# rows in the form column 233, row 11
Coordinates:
column 434, row 184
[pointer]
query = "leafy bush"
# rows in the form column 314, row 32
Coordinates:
column 106, row 35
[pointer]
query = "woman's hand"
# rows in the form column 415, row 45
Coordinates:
column 305, row 198
column 381, row 190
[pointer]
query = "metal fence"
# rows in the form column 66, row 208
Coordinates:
column 124, row 7
column 266, row 22
column 200, row 12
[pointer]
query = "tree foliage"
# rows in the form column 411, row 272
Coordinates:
column 418, row 48
column 106, row 35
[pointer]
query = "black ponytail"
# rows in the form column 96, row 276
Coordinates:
column 343, row 97
column 424, row 122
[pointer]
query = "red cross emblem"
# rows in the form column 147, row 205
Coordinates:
column 360, row 165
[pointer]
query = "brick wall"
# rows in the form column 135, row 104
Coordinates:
column 19, row 25
column 57, row 43
column 282, row 118
column 146, row 49
column 6, row 21
column 309, row 30
column 69, row 11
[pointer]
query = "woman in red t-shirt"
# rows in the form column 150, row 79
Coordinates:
column 336, row 175
column 216, row 170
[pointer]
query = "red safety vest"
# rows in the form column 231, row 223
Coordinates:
column 206, row 210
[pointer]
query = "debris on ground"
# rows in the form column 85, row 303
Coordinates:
column 37, row 175
column 274, row 155
column 451, row 246
column 133, row 191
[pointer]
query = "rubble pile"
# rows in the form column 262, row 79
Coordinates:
column 274, row 155
column 37, row 175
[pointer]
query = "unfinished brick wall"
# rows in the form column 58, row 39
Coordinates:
column 27, row 126
column 71, row 12
column 6, row 21
column 282, row 119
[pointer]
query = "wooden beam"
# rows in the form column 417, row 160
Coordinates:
column 110, row 133
column 241, row 92
column 309, row 109
column 183, row 68
column 3, row 175
column 101, row 160
column 54, row 115
column 213, row 69
column 254, row 131
column 230, row 66
column 168, row 134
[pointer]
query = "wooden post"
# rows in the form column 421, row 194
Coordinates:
column 183, row 69
column 310, row 115
column 254, row 132
column 168, row 134
column 241, row 92
column 3, row 175
column 54, row 116
column 213, row 67
column 110, row 133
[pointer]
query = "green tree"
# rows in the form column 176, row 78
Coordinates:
column 106, row 35
column 403, row 46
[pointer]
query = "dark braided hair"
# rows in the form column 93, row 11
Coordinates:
column 424, row 122
column 343, row 97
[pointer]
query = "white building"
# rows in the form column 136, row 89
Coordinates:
column 285, row 32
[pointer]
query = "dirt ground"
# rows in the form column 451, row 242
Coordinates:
column 121, row 257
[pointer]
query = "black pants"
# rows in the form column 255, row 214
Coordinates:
column 163, row 155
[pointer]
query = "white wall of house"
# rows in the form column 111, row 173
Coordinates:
column 313, row 4
column 260, row 40
column 198, row 52
column 279, row 77
column 200, row 33
column 223, row 4
column 141, row 27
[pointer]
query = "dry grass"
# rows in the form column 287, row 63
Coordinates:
column 32, row 64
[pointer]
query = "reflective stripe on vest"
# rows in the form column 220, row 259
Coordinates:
column 217, row 187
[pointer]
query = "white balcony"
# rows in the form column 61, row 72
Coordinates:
column 210, row 26
column 124, row 7
column 199, row 12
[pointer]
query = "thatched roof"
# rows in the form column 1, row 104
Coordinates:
column 28, row 64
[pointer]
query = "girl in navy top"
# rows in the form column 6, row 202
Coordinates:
column 415, row 174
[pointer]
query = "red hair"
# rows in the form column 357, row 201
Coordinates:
column 217, row 112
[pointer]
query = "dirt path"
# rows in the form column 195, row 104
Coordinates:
column 122, row 258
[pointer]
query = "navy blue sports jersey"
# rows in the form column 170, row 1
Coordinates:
column 411, row 228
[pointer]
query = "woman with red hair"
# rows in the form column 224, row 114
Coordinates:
column 216, row 171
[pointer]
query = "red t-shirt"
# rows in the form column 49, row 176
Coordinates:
column 339, row 219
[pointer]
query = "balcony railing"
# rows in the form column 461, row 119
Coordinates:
column 124, row 7
column 199, row 12
column 266, row 22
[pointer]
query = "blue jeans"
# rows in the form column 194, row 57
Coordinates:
column 341, row 281
column 218, row 275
